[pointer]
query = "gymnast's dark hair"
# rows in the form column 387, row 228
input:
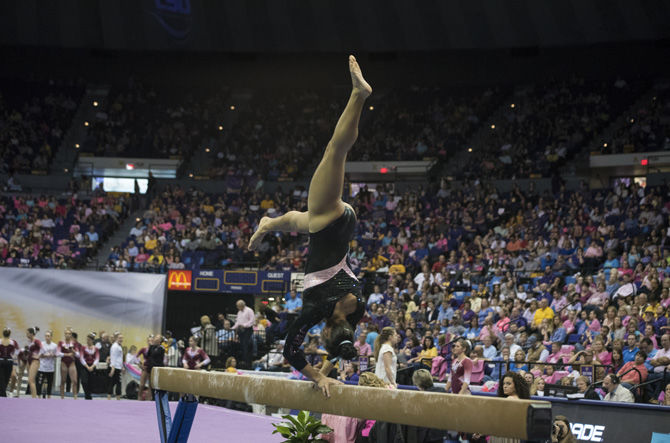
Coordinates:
column 340, row 342
column 34, row 330
column 520, row 385
column 6, row 332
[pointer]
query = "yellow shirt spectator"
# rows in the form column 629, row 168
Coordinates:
column 379, row 261
column 541, row 314
column 151, row 244
column 158, row 257
column 398, row 268
column 428, row 353
column 411, row 307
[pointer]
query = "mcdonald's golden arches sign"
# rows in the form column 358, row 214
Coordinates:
column 179, row 280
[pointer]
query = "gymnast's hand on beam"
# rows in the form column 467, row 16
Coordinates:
column 324, row 384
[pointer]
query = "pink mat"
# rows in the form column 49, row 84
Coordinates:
column 26, row 420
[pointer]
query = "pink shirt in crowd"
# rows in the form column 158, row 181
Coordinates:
column 569, row 326
column 345, row 429
column 245, row 318
column 661, row 353
column 364, row 349
column 605, row 358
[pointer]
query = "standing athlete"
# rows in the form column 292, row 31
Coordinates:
column 331, row 290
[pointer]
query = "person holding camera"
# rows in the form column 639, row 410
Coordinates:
column 561, row 432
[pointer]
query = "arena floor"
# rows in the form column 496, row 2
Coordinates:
column 28, row 420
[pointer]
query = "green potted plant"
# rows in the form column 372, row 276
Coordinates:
column 302, row 429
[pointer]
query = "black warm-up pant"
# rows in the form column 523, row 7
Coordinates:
column 42, row 379
column 114, row 381
column 85, row 378
column 6, row 366
column 245, row 335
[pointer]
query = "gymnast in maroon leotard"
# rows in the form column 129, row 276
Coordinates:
column 68, row 350
column 194, row 356
column 34, row 349
column 8, row 350
column 461, row 369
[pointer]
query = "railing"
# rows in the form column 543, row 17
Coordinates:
column 559, row 366
column 641, row 394
column 173, row 357
column 219, row 345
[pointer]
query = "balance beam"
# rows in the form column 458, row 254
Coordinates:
column 524, row 419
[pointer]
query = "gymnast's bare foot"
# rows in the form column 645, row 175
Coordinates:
column 360, row 86
column 255, row 240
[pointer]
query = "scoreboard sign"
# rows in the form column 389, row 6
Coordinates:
column 235, row 282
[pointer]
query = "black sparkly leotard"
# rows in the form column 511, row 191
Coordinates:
column 328, row 278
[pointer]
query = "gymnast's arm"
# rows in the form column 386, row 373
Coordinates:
column 327, row 367
column 388, row 362
column 467, row 374
column 295, row 355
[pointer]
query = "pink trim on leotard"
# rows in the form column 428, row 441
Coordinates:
column 316, row 278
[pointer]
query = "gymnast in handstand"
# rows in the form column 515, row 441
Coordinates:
column 331, row 290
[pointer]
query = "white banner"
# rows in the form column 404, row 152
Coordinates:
column 51, row 299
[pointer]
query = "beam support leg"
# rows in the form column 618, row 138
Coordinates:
column 163, row 414
column 183, row 419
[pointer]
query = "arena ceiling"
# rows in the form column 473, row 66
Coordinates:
column 329, row 25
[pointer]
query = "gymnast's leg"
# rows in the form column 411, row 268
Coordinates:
column 33, row 368
column 324, row 201
column 74, row 381
column 292, row 221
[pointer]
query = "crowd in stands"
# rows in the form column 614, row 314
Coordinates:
column 56, row 232
column 179, row 227
column 34, row 116
column 278, row 136
column 564, row 277
column 542, row 126
column 137, row 120
column 569, row 278
column 281, row 136
column 546, row 124
column 421, row 122
column 645, row 129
